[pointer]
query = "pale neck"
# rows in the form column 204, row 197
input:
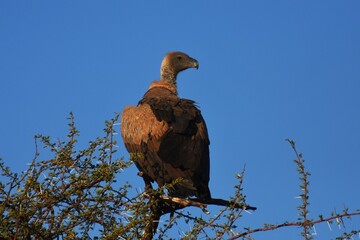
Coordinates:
column 168, row 76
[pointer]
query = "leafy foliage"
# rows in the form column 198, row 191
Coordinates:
column 67, row 195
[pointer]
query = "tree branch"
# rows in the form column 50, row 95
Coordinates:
column 170, row 204
column 295, row 224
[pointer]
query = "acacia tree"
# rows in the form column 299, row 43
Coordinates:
column 76, row 194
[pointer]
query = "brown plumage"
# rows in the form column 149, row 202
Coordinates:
column 166, row 136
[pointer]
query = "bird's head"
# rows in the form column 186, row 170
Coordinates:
column 175, row 62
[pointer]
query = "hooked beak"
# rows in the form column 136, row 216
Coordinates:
column 195, row 63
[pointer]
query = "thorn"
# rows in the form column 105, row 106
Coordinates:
column 248, row 211
column 315, row 233
column 338, row 221
column 329, row 225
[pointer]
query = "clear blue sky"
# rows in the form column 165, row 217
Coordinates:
column 269, row 70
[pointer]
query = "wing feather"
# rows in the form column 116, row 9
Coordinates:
column 170, row 136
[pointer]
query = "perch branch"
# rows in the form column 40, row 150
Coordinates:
column 170, row 204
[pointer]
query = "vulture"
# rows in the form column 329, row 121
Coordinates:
column 167, row 137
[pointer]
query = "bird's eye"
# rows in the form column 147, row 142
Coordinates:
column 179, row 57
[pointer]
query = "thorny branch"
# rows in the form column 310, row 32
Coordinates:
column 270, row 227
column 304, row 183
